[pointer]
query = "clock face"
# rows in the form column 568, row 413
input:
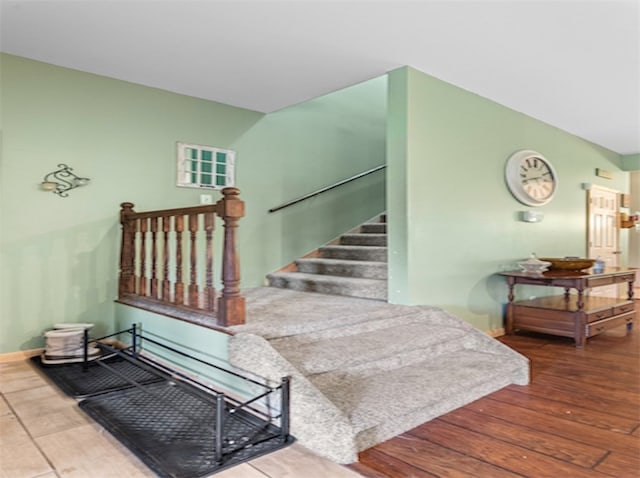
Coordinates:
column 531, row 178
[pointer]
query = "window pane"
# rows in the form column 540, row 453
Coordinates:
column 205, row 179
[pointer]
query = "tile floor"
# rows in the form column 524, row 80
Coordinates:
column 44, row 434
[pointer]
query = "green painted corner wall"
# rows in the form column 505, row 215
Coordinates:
column 59, row 256
column 301, row 149
column 631, row 162
column 455, row 215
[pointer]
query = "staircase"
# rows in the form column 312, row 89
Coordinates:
column 363, row 371
column 354, row 265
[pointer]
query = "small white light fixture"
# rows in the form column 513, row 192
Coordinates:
column 532, row 216
column 62, row 180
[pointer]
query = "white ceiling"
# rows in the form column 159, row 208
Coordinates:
column 571, row 63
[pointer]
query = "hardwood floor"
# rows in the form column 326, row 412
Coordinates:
column 579, row 417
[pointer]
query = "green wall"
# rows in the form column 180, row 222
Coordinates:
column 200, row 343
column 631, row 162
column 301, row 149
column 59, row 256
column 453, row 224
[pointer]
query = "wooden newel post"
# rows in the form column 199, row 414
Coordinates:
column 126, row 282
column 231, row 305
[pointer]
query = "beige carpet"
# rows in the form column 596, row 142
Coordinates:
column 363, row 370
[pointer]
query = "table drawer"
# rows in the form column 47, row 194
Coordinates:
column 600, row 314
column 624, row 308
column 600, row 281
column 625, row 278
column 600, row 326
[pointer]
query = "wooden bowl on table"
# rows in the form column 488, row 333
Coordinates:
column 569, row 264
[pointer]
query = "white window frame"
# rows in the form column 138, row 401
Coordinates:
column 192, row 171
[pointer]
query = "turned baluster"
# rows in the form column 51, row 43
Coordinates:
column 154, row 257
column 179, row 286
column 231, row 305
column 126, row 283
column 142, row 279
column 166, row 284
column 210, row 292
column 193, row 268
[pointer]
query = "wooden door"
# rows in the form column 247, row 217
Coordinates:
column 603, row 233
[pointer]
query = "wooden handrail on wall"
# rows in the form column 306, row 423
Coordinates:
column 154, row 267
column 327, row 188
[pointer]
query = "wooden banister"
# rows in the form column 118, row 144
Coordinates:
column 161, row 250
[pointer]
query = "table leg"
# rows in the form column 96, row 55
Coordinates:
column 580, row 332
column 508, row 328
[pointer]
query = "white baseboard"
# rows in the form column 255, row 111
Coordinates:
column 27, row 354
column 19, row 355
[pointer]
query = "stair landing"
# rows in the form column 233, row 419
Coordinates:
column 363, row 371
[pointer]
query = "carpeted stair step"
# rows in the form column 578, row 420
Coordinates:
column 334, row 285
column 327, row 316
column 394, row 344
column 374, row 228
column 355, row 253
column 385, row 404
column 392, row 378
column 344, row 268
column 364, row 239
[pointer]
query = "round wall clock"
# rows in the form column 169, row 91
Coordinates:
column 531, row 178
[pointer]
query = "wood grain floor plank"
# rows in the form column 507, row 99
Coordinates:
column 552, row 445
column 439, row 461
column 554, row 408
column 575, row 395
column 517, row 459
column 588, row 375
column 598, row 390
column 597, row 359
column 620, row 466
column 579, row 432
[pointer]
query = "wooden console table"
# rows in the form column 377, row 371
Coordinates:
column 570, row 315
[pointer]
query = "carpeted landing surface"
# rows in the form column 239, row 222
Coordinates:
column 363, row 370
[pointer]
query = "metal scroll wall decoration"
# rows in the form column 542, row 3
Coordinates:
column 62, row 180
